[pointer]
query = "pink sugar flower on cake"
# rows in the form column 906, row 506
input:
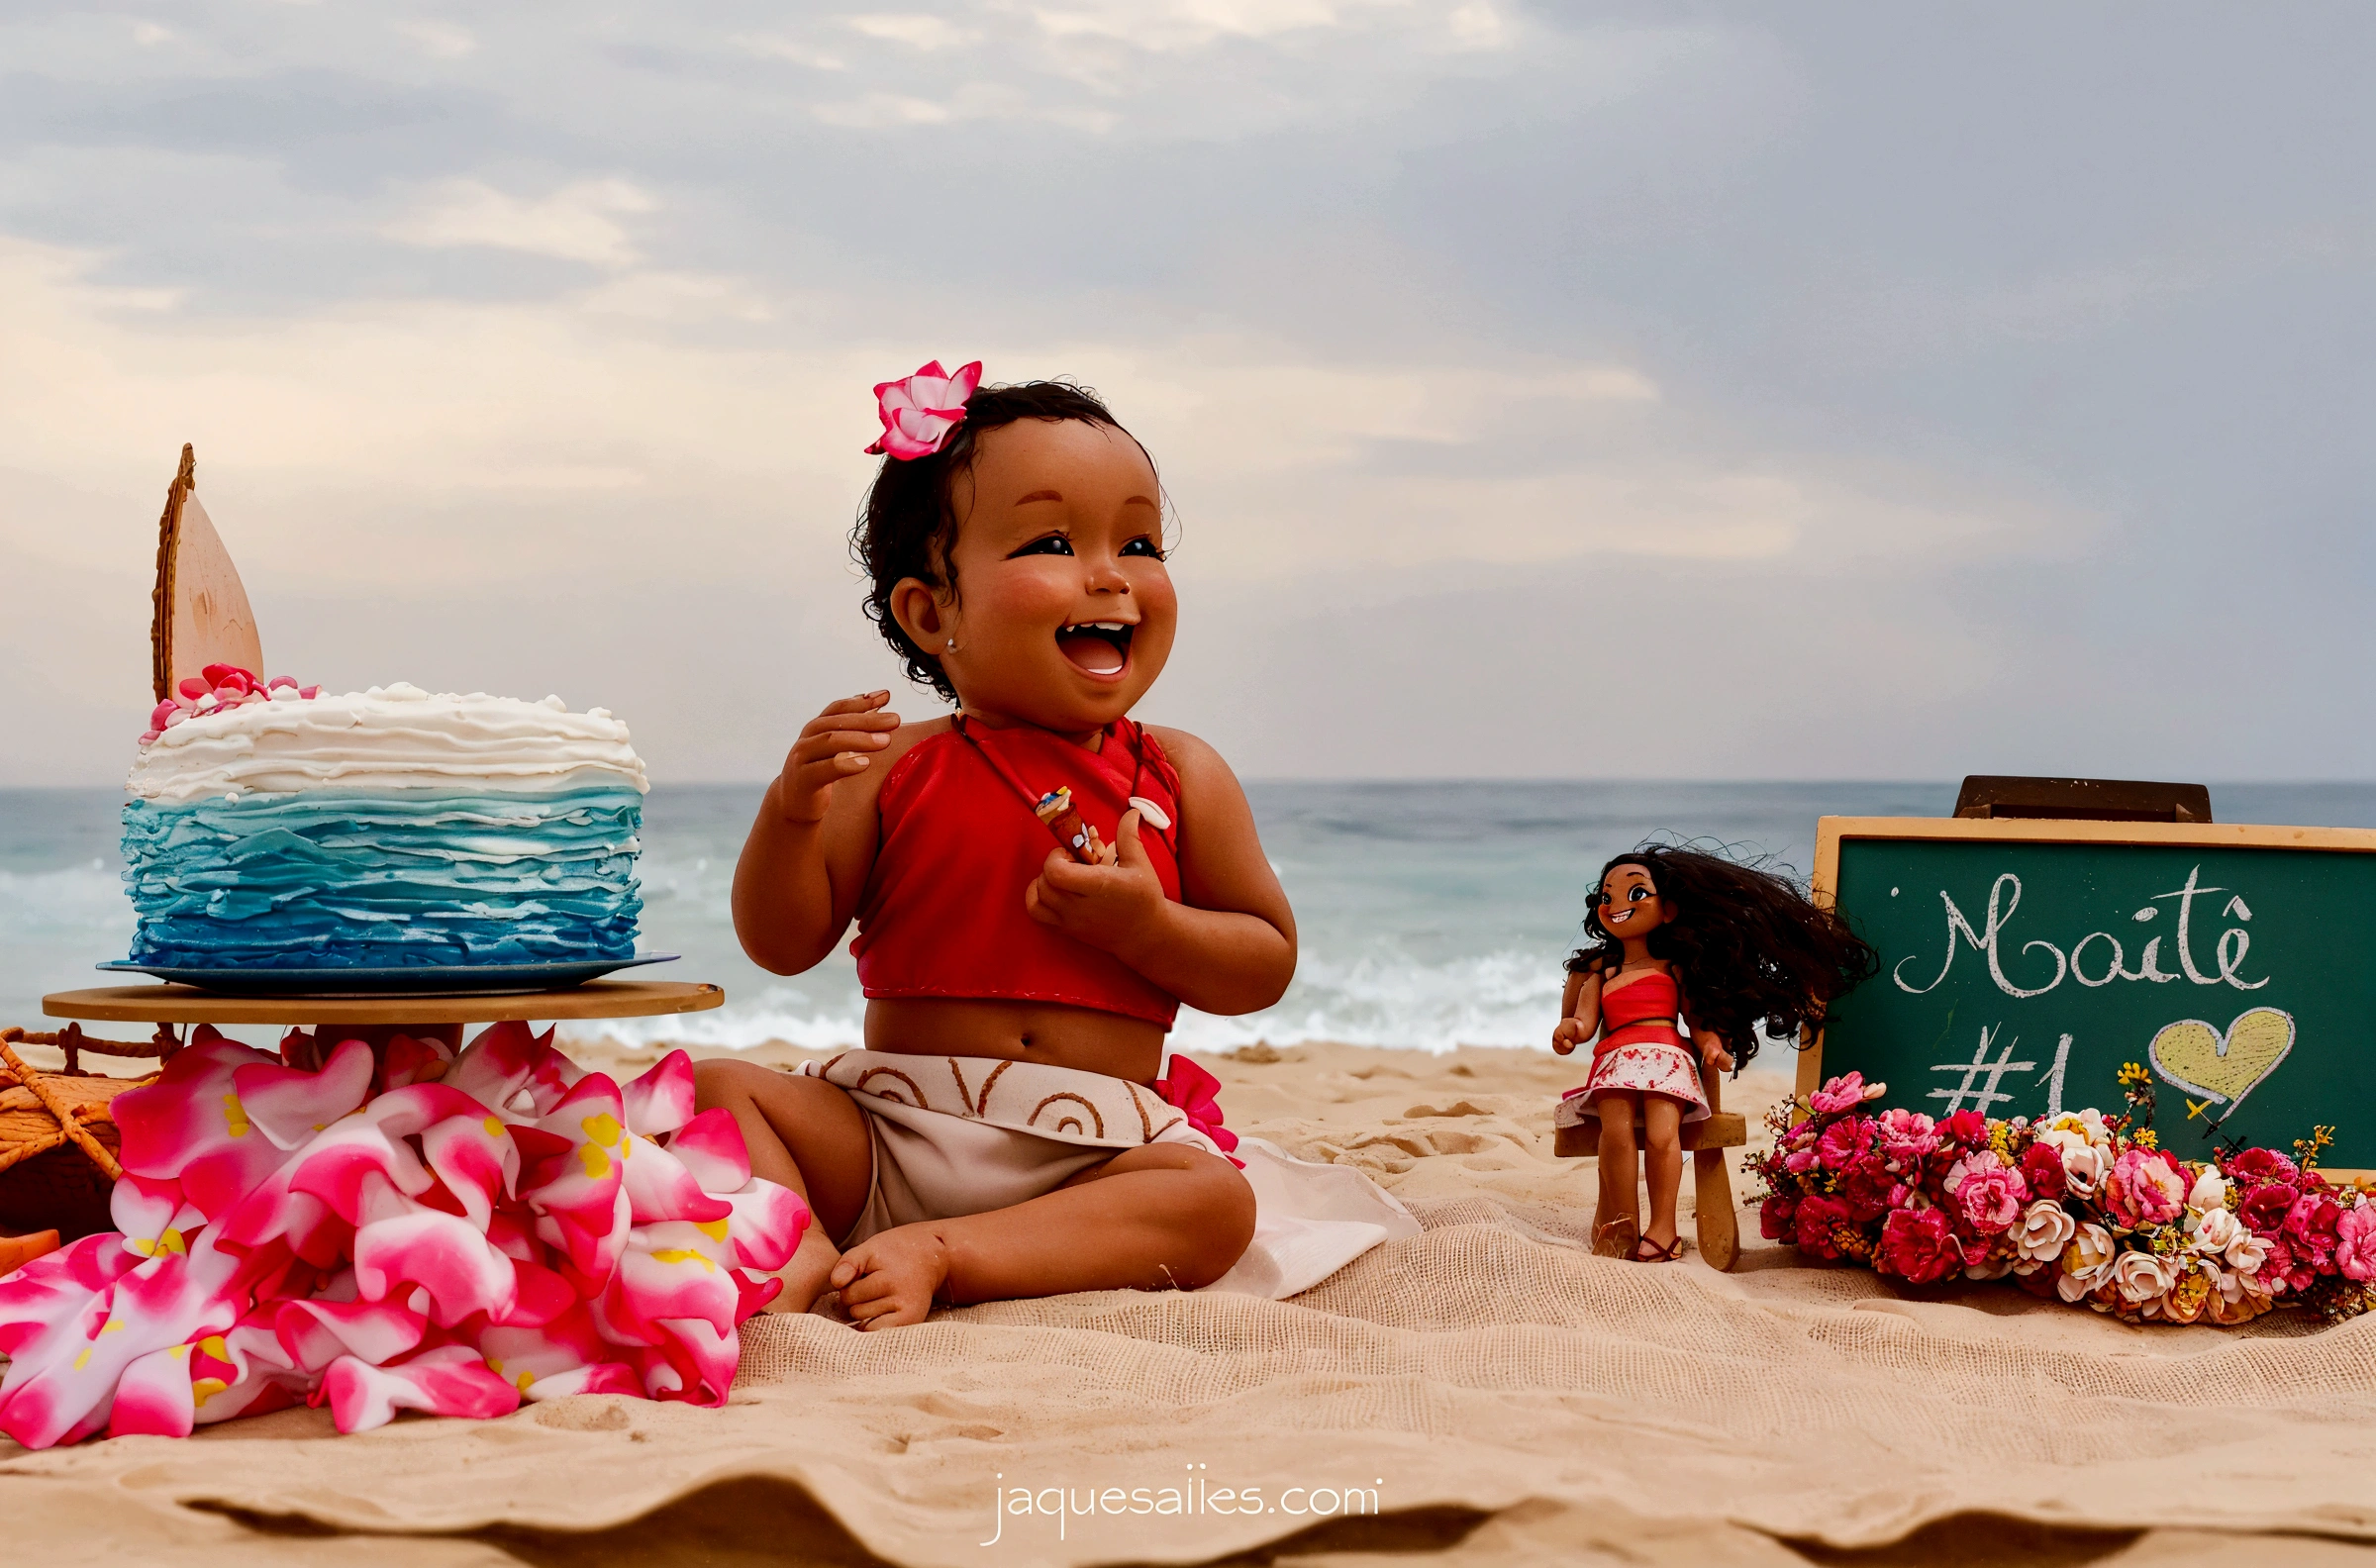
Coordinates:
column 919, row 410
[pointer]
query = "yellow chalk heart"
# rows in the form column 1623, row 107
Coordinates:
column 2198, row 1059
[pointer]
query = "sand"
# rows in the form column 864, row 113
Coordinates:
column 1503, row 1396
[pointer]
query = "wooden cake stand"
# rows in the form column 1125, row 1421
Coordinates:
column 376, row 1019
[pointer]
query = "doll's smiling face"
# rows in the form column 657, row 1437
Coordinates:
column 1063, row 612
column 1630, row 902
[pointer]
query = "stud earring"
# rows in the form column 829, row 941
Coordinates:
column 953, row 645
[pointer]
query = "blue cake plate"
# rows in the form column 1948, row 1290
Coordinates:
column 406, row 980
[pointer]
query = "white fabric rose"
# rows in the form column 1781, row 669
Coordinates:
column 2139, row 1277
column 2214, row 1233
column 2044, row 1230
column 2248, row 1252
column 2082, row 1168
column 2086, row 1262
column 2208, row 1192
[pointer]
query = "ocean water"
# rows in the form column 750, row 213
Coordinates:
column 1431, row 915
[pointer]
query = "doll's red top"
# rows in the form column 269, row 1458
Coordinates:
column 1639, row 1013
column 942, row 913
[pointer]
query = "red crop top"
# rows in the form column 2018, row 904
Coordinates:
column 942, row 913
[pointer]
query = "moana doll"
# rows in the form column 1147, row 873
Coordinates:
column 1722, row 948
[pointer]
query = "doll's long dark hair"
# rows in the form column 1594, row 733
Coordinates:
column 1753, row 949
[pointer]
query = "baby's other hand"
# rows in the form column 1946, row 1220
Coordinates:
column 1115, row 907
column 1568, row 1035
column 888, row 1281
column 836, row 744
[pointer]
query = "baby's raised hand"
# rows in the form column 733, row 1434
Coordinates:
column 836, row 744
column 1114, row 907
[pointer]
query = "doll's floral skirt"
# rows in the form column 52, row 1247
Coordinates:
column 1652, row 1068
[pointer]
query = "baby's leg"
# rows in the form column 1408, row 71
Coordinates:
column 1619, row 1202
column 808, row 1135
column 1662, row 1130
column 1159, row 1217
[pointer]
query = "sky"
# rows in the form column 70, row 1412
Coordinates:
column 1675, row 391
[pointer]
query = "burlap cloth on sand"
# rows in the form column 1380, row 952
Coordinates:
column 1510, row 1396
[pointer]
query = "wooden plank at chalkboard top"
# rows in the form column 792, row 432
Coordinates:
column 2023, row 962
column 2093, row 800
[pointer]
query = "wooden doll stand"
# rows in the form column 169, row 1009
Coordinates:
column 1719, row 1231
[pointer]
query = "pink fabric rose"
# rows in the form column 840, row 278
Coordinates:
column 1988, row 1192
column 2355, row 1241
column 2041, row 1168
column 1907, row 1138
column 2146, row 1187
column 2266, row 1207
column 1775, row 1214
column 2257, row 1165
column 1918, row 1247
column 1842, row 1093
column 1844, row 1142
column 1817, row 1224
column 919, row 410
column 2311, row 1226
column 1967, row 1128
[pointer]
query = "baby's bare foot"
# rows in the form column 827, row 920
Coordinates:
column 805, row 1276
column 890, row 1280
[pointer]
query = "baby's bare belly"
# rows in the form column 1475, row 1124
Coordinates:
column 1038, row 1032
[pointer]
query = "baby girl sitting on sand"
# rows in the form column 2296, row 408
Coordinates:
column 1004, row 1132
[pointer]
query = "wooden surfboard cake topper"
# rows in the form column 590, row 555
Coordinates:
column 201, row 614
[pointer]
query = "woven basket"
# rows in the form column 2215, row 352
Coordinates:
column 58, row 1137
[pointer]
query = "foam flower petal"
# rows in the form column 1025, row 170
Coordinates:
column 314, row 1333
column 711, row 1147
column 662, row 1100
column 191, row 1124
column 289, row 1105
column 659, row 1187
column 403, row 1244
column 450, row 1380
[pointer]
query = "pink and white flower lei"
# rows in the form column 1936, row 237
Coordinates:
column 481, row 1231
column 219, row 689
column 919, row 410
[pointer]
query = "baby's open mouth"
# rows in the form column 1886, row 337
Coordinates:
column 1102, row 647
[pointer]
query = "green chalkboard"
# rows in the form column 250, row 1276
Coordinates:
column 2023, row 962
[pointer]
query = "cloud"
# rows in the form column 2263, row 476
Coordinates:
column 578, row 222
column 916, row 32
column 439, row 39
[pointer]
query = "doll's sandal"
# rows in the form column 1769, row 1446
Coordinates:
column 1646, row 1250
column 1619, row 1239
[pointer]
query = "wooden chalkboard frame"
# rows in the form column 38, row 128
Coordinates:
column 1831, row 832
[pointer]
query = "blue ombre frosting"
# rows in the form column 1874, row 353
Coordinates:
column 385, row 829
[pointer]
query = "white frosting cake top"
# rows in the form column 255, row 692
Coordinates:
column 390, row 738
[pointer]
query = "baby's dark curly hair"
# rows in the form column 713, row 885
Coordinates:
column 1752, row 948
column 910, row 520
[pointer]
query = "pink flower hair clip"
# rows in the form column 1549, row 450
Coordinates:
column 919, row 410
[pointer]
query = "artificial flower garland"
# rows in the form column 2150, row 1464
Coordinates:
column 2080, row 1207
column 416, row 1231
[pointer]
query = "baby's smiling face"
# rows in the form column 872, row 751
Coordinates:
column 1064, row 612
column 1630, row 902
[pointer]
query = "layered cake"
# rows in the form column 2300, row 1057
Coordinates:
column 274, row 827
